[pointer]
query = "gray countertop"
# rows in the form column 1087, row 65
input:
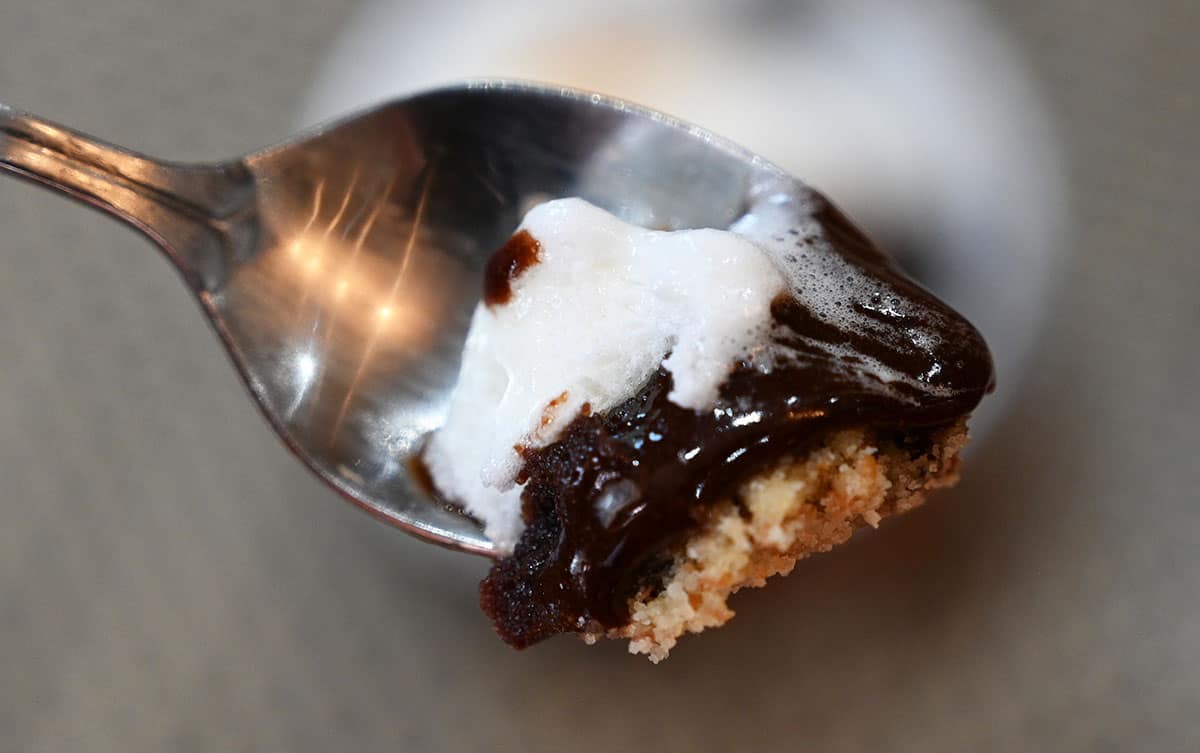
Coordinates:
column 170, row 578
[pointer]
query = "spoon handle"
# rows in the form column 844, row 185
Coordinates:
column 199, row 215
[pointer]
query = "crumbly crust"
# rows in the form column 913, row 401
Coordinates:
column 800, row 506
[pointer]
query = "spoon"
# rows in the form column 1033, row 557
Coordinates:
column 340, row 268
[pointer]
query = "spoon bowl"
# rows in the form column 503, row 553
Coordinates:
column 340, row 269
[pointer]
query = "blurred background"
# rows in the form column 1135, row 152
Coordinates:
column 170, row 579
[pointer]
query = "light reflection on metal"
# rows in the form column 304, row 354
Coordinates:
column 387, row 309
column 306, row 370
column 341, row 211
column 346, row 270
column 418, row 219
column 317, row 249
column 318, row 195
column 297, row 303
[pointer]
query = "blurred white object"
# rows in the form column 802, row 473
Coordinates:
column 917, row 118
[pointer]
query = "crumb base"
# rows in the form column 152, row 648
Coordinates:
column 798, row 507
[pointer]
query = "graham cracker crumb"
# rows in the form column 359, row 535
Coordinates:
column 800, row 506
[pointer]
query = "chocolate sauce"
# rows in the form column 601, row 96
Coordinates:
column 606, row 504
column 520, row 253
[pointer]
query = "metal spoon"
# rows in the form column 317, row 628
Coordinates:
column 340, row 269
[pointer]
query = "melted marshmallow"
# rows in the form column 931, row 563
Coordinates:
column 605, row 306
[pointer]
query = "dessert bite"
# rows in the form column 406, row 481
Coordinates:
column 646, row 421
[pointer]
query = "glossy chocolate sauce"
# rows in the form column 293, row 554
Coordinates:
column 606, row 504
column 520, row 253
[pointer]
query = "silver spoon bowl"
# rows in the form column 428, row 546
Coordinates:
column 340, row 269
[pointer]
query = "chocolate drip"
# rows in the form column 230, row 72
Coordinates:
column 520, row 253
